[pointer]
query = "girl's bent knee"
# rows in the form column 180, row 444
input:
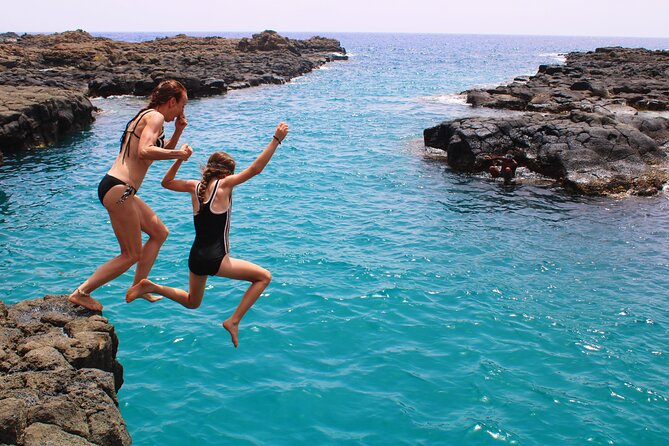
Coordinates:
column 192, row 305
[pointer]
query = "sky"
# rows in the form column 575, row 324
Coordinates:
column 620, row 18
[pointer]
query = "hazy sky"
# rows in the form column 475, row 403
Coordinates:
column 636, row 18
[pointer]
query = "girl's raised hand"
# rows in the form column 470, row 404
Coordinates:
column 281, row 131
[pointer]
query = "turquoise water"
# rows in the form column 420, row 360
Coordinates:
column 410, row 304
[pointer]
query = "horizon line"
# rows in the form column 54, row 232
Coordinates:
column 346, row 32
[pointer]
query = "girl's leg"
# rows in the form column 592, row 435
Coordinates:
column 125, row 221
column 192, row 299
column 242, row 270
column 157, row 232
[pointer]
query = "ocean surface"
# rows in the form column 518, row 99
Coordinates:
column 410, row 304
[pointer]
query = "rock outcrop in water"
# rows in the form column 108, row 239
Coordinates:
column 39, row 116
column 590, row 125
column 75, row 63
column 58, row 376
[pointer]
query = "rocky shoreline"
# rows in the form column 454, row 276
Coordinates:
column 46, row 79
column 594, row 125
column 58, row 376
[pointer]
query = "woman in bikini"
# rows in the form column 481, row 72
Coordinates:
column 212, row 207
column 142, row 142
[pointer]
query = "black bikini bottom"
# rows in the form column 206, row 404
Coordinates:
column 108, row 182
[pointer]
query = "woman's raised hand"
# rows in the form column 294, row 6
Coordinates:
column 281, row 131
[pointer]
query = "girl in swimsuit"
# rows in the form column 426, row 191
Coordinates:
column 212, row 207
column 142, row 142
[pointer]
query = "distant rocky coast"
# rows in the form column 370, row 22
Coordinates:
column 58, row 376
column 46, row 80
column 596, row 125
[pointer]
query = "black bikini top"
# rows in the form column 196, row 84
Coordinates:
column 125, row 148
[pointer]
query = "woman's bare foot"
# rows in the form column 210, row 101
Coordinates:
column 85, row 300
column 233, row 329
column 142, row 289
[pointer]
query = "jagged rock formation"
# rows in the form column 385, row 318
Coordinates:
column 74, row 63
column 589, row 127
column 58, row 376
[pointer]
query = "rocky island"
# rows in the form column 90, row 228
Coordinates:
column 596, row 125
column 46, row 80
column 58, row 376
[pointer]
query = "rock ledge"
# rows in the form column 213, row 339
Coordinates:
column 594, row 125
column 58, row 376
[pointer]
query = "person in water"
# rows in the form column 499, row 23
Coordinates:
column 209, row 256
column 508, row 167
column 142, row 142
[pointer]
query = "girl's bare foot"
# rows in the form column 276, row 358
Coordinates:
column 151, row 297
column 142, row 289
column 85, row 300
column 233, row 329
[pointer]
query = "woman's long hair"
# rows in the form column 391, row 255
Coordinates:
column 220, row 165
column 164, row 91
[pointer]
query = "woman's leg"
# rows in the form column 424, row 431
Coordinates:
column 242, row 270
column 192, row 299
column 125, row 220
column 157, row 232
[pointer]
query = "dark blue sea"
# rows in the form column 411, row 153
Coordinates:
column 410, row 304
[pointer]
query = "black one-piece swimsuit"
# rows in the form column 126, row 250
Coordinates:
column 212, row 237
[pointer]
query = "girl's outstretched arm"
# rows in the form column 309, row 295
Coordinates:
column 259, row 164
column 177, row 185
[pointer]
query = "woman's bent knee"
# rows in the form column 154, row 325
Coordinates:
column 266, row 277
column 130, row 258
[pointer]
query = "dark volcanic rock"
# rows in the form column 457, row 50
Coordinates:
column 58, row 376
column 104, row 67
column 76, row 62
column 588, row 153
column 40, row 116
column 589, row 141
column 587, row 81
